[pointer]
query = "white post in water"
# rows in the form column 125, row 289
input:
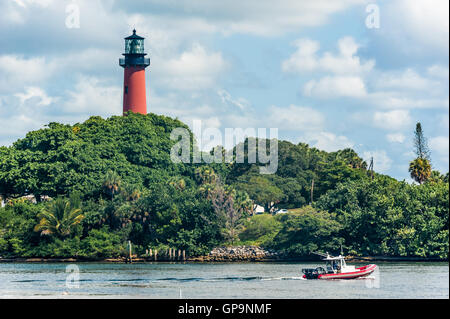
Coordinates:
column 129, row 244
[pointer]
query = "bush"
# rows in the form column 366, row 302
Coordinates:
column 102, row 244
column 306, row 231
column 260, row 229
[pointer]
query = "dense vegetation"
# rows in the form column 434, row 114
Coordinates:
column 104, row 182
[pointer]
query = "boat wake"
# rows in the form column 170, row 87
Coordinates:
column 217, row 279
column 284, row 278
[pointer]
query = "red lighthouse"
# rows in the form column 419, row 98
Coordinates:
column 134, row 65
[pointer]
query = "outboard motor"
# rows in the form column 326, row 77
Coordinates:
column 313, row 273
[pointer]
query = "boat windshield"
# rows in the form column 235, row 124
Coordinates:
column 329, row 267
column 333, row 266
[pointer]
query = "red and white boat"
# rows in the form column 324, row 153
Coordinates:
column 336, row 268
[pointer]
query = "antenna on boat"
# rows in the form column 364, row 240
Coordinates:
column 342, row 252
column 320, row 254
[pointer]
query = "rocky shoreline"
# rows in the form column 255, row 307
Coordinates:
column 239, row 253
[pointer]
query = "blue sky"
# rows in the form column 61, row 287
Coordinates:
column 313, row 69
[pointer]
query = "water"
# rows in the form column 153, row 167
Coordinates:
column 217, row 280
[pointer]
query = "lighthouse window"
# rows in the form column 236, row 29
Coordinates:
column 126, row 89
column 134, row 46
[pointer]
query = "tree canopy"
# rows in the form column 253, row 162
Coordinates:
column 100, row 183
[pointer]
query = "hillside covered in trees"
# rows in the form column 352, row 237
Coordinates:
column 104, row 182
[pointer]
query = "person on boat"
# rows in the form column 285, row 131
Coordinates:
column 335, row 265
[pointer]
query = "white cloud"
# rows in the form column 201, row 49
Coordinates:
column 295, row 118
column 90, row 60
column 26, row 3
column 409, row 154
column 381, row 161
column 425, row 23
column 16, row 126
column 440, row 144
column 348, row 76
column 444, row 122
column 304, row 59
column 16, row 11
column 188, row 107
column 396, row 100
column 17, row 71
column 407, row 79
column 195, row 69
column 93, row 96
column 438, row 71
column 345, row 62
column 328, row 141
column 39, row 25
column 35, row 92
column 336, row 86
column 392, row 120
column 226, row 97
column 167, row 36
column 263, row 18
column 396, row 137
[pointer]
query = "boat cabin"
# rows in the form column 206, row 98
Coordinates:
column 336, row 265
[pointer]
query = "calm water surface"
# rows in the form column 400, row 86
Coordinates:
column 218, row 280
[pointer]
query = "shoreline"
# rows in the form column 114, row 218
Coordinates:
column 207, row 259
column 223, row 254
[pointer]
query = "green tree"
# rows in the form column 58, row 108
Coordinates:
column 262, row 191
column 391, row 218
column 242, row 202
column 351, row 158
column 59, row 218
column 223, row 203
column 158, row 203
column 437, row 177
column 420, row 170
column 261, row 229
column 420, row 143
column 306, row 231
column 111, row 183
column 178, row 183
column 205, row 175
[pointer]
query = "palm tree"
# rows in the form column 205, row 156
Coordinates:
column 420, row 170
column 58, row 218
column 111, row 183
column 205, row 175
column 242, row 202
column 131, row 193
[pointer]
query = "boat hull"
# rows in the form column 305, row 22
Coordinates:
column 360, row 272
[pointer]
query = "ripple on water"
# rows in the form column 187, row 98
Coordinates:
column 250, row 280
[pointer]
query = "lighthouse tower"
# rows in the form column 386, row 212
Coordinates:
column 134, row 65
